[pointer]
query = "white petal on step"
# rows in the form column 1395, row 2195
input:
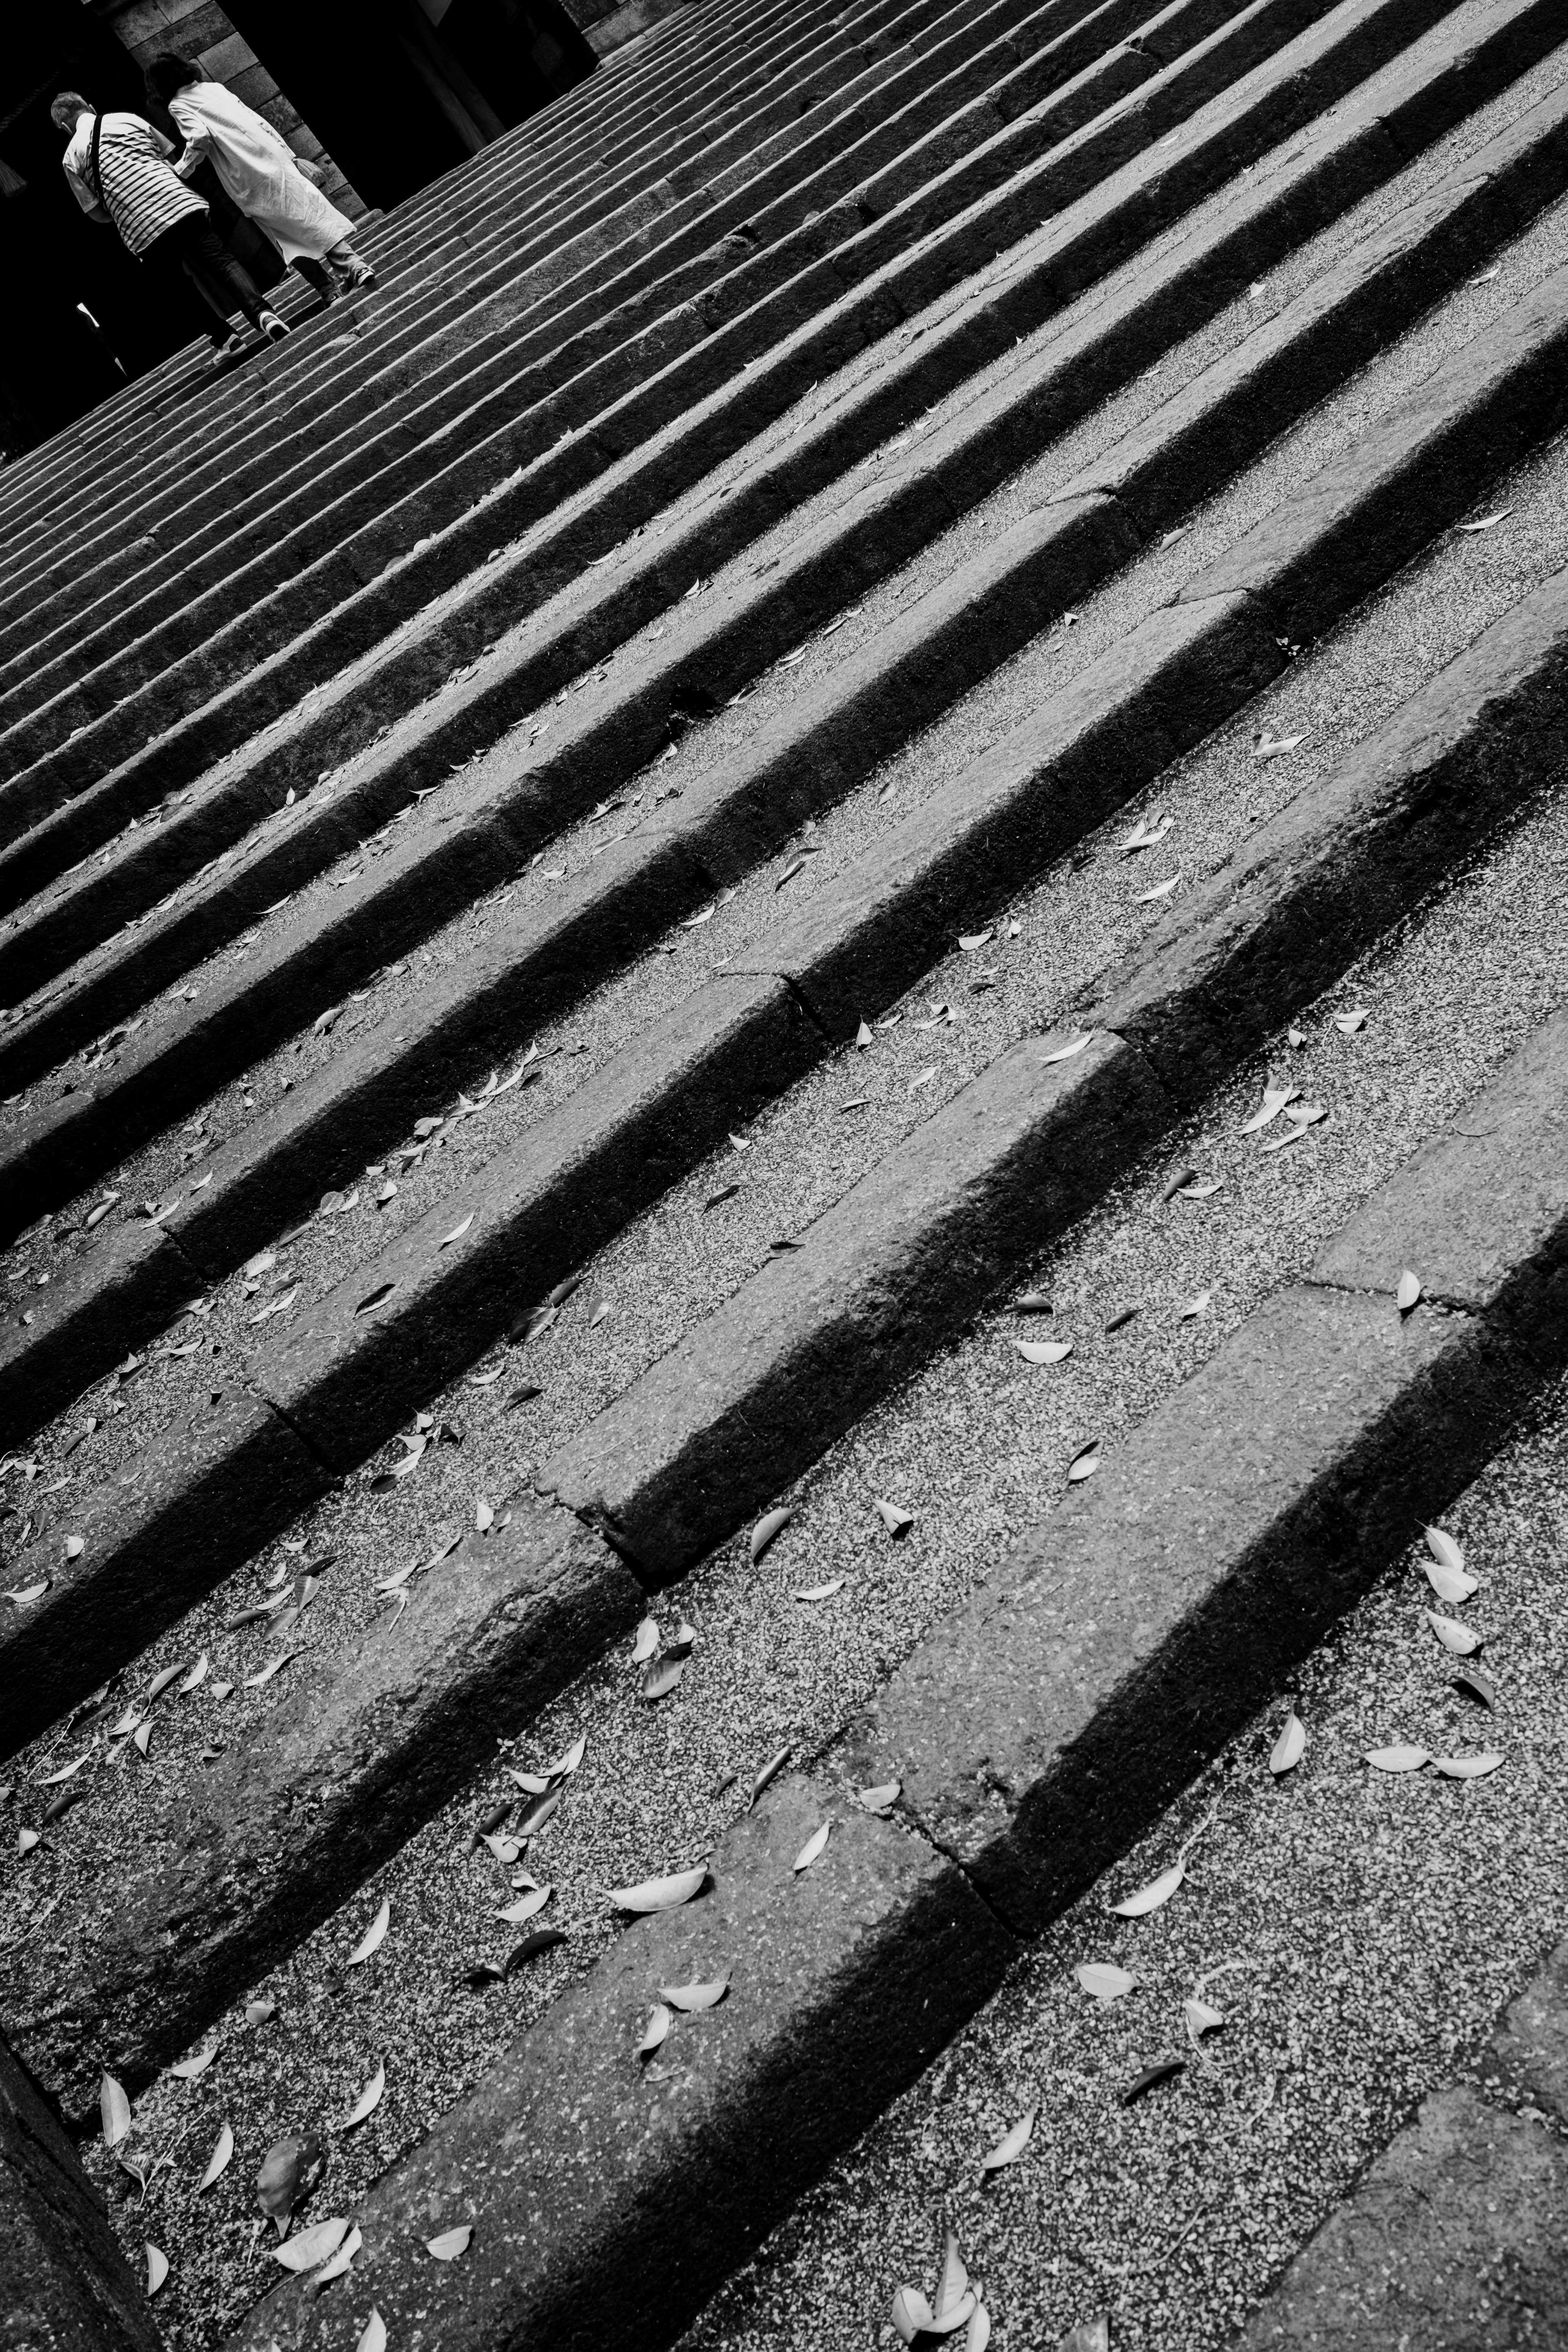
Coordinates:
column 451, row 2242
column 1011, row 2146
column 374, row 1938
column 1398, row 1759
column 367, row 2102
column 1150, row 1898
column 218, row 2162
column 1454, row 1636
column 771, row 1523
column 812, row 1848
column 1291, row 1745
column 1043, row 1352
column 115, row 2109
column 1103, row 1981
column 157, row 2266
column 374, row 2338
column 309, row 2247
column 659, row 1894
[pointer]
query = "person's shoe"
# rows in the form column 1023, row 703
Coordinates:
column 272, row 326
column 224, row 352
column 361, row 279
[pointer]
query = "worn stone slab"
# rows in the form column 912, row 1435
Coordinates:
column 346, row 1374
column 762, row 1386
column 704, row 404
column 103, row 1303
column 1467, row 424
column 608, row 2199
column 1482, row 1213
column 174, row 1521
column 1350, row 854
column 1526, row 2062
column 1455, row 2241
column 233, row 1872
column 974, row 452
column 68, row 2287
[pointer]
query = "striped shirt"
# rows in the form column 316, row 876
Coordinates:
column 142, row 194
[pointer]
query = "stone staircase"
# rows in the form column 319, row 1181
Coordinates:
column 909, row 670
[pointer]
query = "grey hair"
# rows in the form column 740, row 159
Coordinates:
column 66, row 106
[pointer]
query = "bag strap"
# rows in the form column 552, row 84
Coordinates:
column 93, row 165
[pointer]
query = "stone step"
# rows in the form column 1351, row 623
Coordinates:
column 1089, row 238
column 845, row 1980
column 636, row 249
column 364, row 1098
column 426, row 316
column 569, row 370
column 498, row 1626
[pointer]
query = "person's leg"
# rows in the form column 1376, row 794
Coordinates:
column 350, row 268
column 226, row 283
column 316, row 275
column 166, row 255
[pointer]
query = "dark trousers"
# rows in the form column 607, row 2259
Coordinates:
column 224, row 284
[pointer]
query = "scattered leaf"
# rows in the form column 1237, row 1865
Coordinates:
column 290, row 2170
column 1159, row 890
column 1397, row 1759
column 309, row 2247
column 1274, row 746
column 367, row 2102
column 1466, row 1768
column 1150, row 1898
column 725, row 1193
column 880, row 1800
column 1447, row 1576
column 970, row 941
column 1347, row 1024
column 1145, row 834
column 1291, row 1745
column 1486, row 523
column 660, row 1677
column 374, row 2338
column 1202, row 1187
column 1043, row 1352
column 256, row 2012
column 894, row 1518
column 1478, row 1684
column 1011, row 2146
column 1201, row 2019
column 819, row 1591
column 190, row 2070
column 655, row 2033
column 1454, row 1636
column 340, row 2261
column 526, row 1906
column 1103, row 1981
column 912, row 2315
column 1074, row 1045
column 1407, row 1291
column 645, row 1642
column 451, row 2242
column 659, row 1894
column 218, row 2161
column 1196, row 1306
column 157, row 2266
column 863, row 1036
column 1085, row 1462
column 1161, row 2071
column 74, row 1546
column 771, row 1523
column 812, row 1848
column 374, row 1938
column 115, row 2109
column 457, row 1231
column 692, row 1999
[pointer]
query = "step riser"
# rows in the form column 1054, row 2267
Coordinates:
column 1096, row 1634
column 544, row 270
column 343, row 1383
column 950, row 642
column 521, row 420
column 483, row 714
column 69, row 1151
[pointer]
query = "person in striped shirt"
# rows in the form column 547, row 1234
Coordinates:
column 118, row 169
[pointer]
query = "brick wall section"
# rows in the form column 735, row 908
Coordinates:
column 199, row 29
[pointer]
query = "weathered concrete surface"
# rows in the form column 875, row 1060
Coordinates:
column 67, row 2285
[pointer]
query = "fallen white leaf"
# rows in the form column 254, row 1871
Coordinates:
column 157, row 2265
column 374, row 1936
column 659, row 1894
column 1078, row 1044
column 1466, row 1768
column 1011, row 2146
column 880, row 1800
column 451, row 2242
column 819, row 1591
column 1043, row 1352
column 115, row 2109
column 894, row 1518
column 526, row 1906
column 1150, row 1898
column 771, row 1523
column 1398, row 1759
column 374, row 2338
column 1448, row 1575
column 1103, row 1981
column 1196, row 1306
column 1085, row 1461
column 693, row 1999
column 309, row 2247
column 812, row 1848
column 1454, row 1636
column 1201, row 2019
column 1407, row 1291
column 367, row 2102
column 190, row 2070
column 457, row 1231
column 340, row 2261
column 218, row 2162
column 655, row 2033
column 1486, row 523
column 1291, row 1745
column 645, row 1642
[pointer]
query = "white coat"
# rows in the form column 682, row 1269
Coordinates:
column 258, row 168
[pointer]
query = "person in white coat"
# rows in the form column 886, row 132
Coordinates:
column 258, row 170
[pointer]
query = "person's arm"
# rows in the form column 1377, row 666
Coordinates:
column 196, row 134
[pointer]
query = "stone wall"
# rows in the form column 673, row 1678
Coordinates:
column 199, row 29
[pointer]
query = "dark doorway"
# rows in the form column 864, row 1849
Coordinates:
column 399, row 91
column 80, row 310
